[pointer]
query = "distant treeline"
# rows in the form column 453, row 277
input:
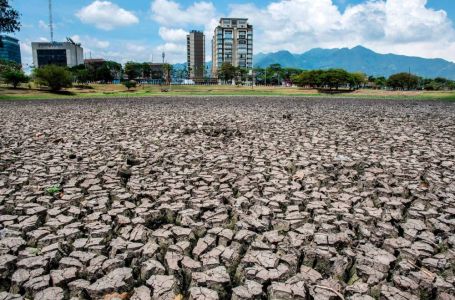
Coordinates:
column 107, row 71
column 339, row 78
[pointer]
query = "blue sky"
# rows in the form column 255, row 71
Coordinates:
column 140, row 30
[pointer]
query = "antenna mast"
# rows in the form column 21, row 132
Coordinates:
column 51, row 23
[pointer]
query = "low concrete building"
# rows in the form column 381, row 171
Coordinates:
column 10, row 49
column 61, row 54
column 94, row 62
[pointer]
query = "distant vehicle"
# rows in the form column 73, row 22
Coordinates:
column 188, row 82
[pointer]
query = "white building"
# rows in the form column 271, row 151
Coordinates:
column 61, row 54
column 232, row 43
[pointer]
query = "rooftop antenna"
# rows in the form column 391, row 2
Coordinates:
column 51, row 23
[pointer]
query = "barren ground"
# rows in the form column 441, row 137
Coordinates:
column 220, row 198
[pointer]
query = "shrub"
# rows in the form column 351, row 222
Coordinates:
column 130, row 84
column 9, row 65
column 14, row 77
column 55, row 189
column 403, row 81
column 52, row 76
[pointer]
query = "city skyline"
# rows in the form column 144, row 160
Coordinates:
column 141, row 30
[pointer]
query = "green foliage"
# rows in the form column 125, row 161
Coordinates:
column 311, row 78
column 227, row 71
column 104, row 72
column 380, row 82
column 438, row 84
column 332, row 78
column 108, row 71
column 167, row 71
column 403, row 81
column 81, row 75
column 55, row 189
column 9, row 65
column 52, row 76
column 133, row 70
column 275, row 74
column 146, row 70
column 9, row 18
column 357, row 80
column 130, row 84
column 14, row 77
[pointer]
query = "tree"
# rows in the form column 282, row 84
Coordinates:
column 260, row 75
column 9, row 65
column 311, row 78
column 9, row 19
column 357, row 79
column 403, row 81
column 52, row 76
column 380, row 82
column 241, row 74
column 14, row 77
column 290, row 73
column 167, row 72
column 82, row 76
column 129, row 84
column 146, row 70
column 335, row 78
column 227, row 71
column 133, row 70
column 274, row 72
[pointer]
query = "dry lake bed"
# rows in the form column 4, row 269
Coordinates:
column 227, row 198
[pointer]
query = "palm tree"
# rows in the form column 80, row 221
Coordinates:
column 167, row 69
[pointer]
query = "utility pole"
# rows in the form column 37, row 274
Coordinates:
column 265, row 76
column 51, row 22
column 409, row 79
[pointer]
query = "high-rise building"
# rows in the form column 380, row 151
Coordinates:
column 196, row 54
column 10, row 49
column 232, row 43
column 61, row 54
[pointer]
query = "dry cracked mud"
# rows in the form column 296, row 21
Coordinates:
column 227, row 198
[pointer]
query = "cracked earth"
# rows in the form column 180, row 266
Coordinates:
column 227, row 198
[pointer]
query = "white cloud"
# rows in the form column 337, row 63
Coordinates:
column 26, row 53
column 175, row 52
column 43, row 25
column 168, row 12
column 90, row 42
column 173, row 35
column 106, row 15
column 386, row 26
column 406, row 27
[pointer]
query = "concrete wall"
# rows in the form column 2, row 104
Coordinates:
column 74, row 54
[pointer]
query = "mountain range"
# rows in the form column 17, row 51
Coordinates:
column 359, row 59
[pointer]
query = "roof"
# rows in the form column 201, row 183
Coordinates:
column 9, row 38
column 94, row 60
column 244, row 19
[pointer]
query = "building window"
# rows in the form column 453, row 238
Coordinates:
column 51, row 56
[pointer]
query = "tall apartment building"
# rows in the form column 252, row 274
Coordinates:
column 196, row 54
column 61, row 54
column 232, row 43
column 10, row 49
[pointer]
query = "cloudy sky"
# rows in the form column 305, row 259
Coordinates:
column 141, row 30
